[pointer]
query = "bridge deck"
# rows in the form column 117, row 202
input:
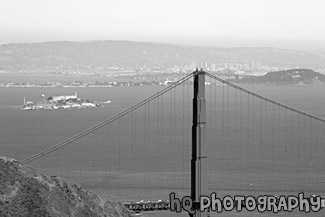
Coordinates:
column 141, row 206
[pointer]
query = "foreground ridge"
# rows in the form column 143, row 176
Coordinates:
column 24, row 192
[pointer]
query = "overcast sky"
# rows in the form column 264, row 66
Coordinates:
column 296, row 24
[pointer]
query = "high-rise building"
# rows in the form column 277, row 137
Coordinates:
column 206, row 65
column 252, row 66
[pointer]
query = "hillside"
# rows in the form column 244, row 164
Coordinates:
column 24, row 192
column 291, row 76
column 52, row 57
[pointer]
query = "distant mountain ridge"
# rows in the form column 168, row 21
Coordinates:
column 64, row 55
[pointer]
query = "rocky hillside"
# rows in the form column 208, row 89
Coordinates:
column 291, row 76
column 24, row 192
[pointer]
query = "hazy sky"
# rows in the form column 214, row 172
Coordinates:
column 280, row 23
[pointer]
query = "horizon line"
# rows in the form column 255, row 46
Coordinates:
column 189, row 45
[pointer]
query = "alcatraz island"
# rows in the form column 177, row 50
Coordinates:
column 62, row 102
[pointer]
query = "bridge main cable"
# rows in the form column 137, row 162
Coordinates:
column 265, row 98
column 108, row 121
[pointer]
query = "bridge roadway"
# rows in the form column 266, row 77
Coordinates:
column 142, row 206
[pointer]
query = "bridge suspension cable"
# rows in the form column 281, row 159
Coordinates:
column 119, row 115
column 106, row 122
column 265, row 98
column 256, row 145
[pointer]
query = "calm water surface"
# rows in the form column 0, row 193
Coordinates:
column 23, row 133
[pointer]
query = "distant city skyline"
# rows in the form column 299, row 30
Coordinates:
column 294, row 24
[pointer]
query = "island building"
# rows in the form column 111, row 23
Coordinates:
column 64, row 98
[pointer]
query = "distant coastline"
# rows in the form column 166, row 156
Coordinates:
column 84, row 84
